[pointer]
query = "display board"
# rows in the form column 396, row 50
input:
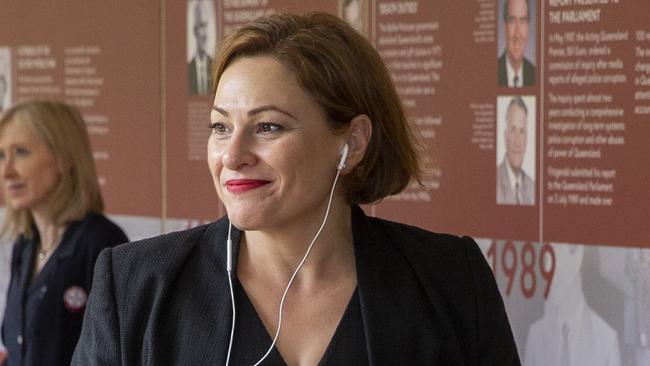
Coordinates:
column 534, row 115
column 105, row 60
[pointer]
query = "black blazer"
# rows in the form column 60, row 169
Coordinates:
column 528, row 72
column 426, row 299
column 40, row 326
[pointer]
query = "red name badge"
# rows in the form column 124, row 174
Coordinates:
column 75, row 298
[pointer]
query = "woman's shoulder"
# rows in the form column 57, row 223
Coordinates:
column 425, row 242
column 157, row 257
column 100, row 229
column 161, row 247
column 99, row 220
column 444, row 261
column 459, row 283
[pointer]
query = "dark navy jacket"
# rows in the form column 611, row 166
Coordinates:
column 43, row 317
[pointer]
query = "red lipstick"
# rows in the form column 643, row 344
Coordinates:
column 15, row 188
column 244, row 185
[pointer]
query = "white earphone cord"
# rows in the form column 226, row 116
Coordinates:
column 304, row 258
column 286, row 290
column 232, row 293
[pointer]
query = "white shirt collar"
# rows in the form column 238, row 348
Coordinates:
column 512, row 177
column 200, row 60
column 510, row 72
column 201, row 72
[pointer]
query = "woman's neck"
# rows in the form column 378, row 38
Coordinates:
column 274, row 255
column 50, row 235
column 48, row 231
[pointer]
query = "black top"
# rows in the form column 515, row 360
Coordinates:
column 425, row 299
column 43, row 317
column 251, row 340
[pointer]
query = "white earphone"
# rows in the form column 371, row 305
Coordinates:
column 344, row 156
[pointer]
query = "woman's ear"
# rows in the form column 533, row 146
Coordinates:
column 357, row 138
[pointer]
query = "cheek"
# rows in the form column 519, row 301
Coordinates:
column 310, row 169
column 54, row 181
column 47, row 179
column 284, row 163
column 54, row 176
column 214, row 154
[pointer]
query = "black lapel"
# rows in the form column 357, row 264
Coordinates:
column 23, row 264
column 70, row 242
column 396, row 313
column 194, row 313
column 71, row 237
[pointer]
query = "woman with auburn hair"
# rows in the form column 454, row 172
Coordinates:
column 54, row 215
column 305, row 126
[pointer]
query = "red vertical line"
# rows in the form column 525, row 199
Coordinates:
column 540, row 148
column 222, row 208
column 163, row 120
column 373, row 26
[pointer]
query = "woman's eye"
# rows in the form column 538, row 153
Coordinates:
column 218, row 128
column 267, row 128
column 21, row 151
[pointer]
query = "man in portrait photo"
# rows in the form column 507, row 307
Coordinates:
column 514, row 186
column 198, row 69
column 515, row 70
column 5, row 78
column 3, row 92
column 570, row 332
column 353, row 12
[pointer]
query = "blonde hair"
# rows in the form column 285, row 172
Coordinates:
column 345, row 75
column 62, row 129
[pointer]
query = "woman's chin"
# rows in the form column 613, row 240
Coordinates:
column 242, row 221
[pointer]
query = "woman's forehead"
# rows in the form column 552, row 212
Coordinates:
column 257, row 82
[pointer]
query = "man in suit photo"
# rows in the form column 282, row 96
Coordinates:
column 354, row 12
column 571, row 332
column 198, row 69
column 515, row 70
column 514, row 186
column 3, row 92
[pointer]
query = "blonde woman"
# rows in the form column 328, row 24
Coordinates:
column 54, row 215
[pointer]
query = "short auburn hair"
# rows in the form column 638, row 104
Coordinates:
column 345, row 75
column 62, row 129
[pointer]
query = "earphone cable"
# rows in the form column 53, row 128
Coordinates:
column 232, row 292
column 295, row 272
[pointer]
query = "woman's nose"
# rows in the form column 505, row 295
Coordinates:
column 238, row 153
column 7, row 168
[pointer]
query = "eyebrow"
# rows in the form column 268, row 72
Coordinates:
column 257, row 110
